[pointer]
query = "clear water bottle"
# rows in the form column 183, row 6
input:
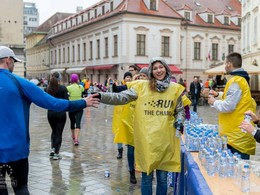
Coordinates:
column 247, row 119
column 245, row 178
column 231, row 166
column 223, row 165
column 107, row 173
column 178, row 128
column 169, row 179
column 211, row 167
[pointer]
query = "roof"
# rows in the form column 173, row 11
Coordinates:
column 47, row 25
column 126, row 6
column 225, row 7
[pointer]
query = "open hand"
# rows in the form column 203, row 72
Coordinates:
column 92, row 100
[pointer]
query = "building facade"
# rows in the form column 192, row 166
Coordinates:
column 30, row 17
column 11, row 30
column 250, row 36
column 101, row 41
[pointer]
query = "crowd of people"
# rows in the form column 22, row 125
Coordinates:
column 149, row 104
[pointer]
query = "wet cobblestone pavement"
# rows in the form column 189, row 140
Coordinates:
column 81, row 169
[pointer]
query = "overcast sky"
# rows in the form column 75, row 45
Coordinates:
column 47, row 8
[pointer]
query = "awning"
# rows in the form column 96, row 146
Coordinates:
column 100, row 67
column 75, row 70
column 174, row 69
column 57, row 70
column 219, row 70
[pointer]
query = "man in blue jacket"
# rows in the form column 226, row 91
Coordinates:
column 16, row 96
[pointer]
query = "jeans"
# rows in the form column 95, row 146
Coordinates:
column 119, row 145
column 146, row 184
column 243, row 155
column 18, row 172
column 195, row 100
column 131, row 157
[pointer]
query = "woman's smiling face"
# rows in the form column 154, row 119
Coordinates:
column 159, row 71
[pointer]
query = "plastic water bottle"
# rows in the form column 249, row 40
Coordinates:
column 223, row 165
column 247, row 119
column 110, row 89
column 231, row 166
column 107, row 173
column 245, row 178
column 211, row 167
column 178, row 128
column 169, row 179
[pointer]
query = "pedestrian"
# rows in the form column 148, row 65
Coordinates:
column 231, row 106
column 158, row 107
column 195, row 89
column 133, row 69
column 75, row 93
column 16, row 96
column 253, row 130
column 117, row 115
column 56, row 120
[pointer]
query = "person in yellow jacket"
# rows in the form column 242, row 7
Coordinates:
column 158, row 107
column 232, row 104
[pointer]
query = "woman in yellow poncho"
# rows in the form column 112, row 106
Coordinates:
column 158, row 106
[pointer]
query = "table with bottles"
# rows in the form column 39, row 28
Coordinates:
column 224, row 172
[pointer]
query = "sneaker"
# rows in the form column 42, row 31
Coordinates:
column 56, row 156
column 76, row 143
column 52, row 153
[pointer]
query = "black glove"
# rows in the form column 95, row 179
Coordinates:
column 181, row 127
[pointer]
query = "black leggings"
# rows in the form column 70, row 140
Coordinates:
column 18, row 172
column 57, row 122
column 75, row 118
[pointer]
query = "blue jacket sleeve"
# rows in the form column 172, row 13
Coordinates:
column 119, row 88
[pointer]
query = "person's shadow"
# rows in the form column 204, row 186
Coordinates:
column 76, row 173
column 58, row 184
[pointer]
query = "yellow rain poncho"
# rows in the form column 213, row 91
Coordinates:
column 229, row 122
column 156, row 146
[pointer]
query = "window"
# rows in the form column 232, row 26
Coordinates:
column 210, row 18
column 214, row 51
column 59, row 54
column 140, row 45
column 84, row 52
column 152, row 4
column 95, row 13
column 88, row 16
column 239, row 21
column 115, row 46
column 78, row 52
column 226, row 20
column 255, row 31
column 165, row 46
column 103, row 10
column 187, row 15
column 111, row 6
column 197, row 51
column 91, row 50
column 51, row 57
column 68, row 54
column 63, row 55
column 106, row 47
column 230, row 48
column 55, row 56
column 98, row 49
column 73, row 53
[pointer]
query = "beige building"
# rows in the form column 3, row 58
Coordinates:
column 11, row 30
column 102, row 40
column 250, row 36
column 38, row 48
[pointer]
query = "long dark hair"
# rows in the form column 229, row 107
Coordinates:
column 54, row 84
